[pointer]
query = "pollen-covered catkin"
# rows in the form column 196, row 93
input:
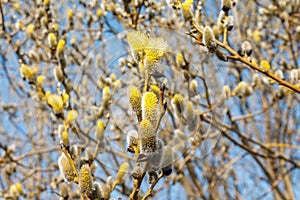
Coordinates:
column 65, row 168
column 209, row 39
column 135, row 99
column 148, row 137
column 85, row 180
column 150, row 107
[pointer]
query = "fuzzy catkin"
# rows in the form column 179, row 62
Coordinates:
column 85, row 180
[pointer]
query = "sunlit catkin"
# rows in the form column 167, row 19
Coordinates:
column 150, row 107
column 132, row 141
column 177, row 102
column 148, row 137
column 187, row 10
column 65, row 168
column 52, row 41
column 60, row 48
column 121, row 173
column 209, row 39
column 85, row 180
column 246, row 48
column 99, row 134
column 137, row 41
column 226, row 91
column 105, row 95
column 154, row 50
column 56, row 102
column 189, row 112
column 194, row 86
column 72, row 115
column 135, row 99
column 265, row 65
column 63, row 136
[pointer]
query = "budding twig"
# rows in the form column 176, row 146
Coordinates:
column 235, row 56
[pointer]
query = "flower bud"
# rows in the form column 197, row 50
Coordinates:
column 226, row 91
column 60, row 49
column 246, row 48
column 177, row 102
column 294, row 75
column 221, row 55
column 189, row 110
column 65, row 168
column 209, row 39
column 52, row 41
column 194, row 86
column 99, row 134
column 228, row 23
column 121, row 173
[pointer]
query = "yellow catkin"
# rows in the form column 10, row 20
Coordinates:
column 56, row 102
column 135, row 99
column 60, row 48
column 121, row 173
column 265, row 65
column 100, row 131
column 155, row 89
column 30, row 30
column 72, row 114
column 189, row 109
column 137, row 40
column 40, row 79
column 150, row 107
column 85, row 180
column 186, row 10
column 65, row 168
column 209, row 39
column 178, row 102
column 148, row 137
column 52, row 40
column 155, row 49
column 256, row 35
column 28, row 72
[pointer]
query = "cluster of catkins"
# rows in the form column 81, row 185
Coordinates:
column 150, row 147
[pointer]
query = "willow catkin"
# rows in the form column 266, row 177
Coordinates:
column 167, row 160
column 135, row 99
column 150, row 108
column 209, row 39
column 246, row 48
column 97, row 192
column 65, row 168
column 177, row 103
column 148, row 137
column 85, row 180
column 64, row 191
column 132, row 141
column 121, row 173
